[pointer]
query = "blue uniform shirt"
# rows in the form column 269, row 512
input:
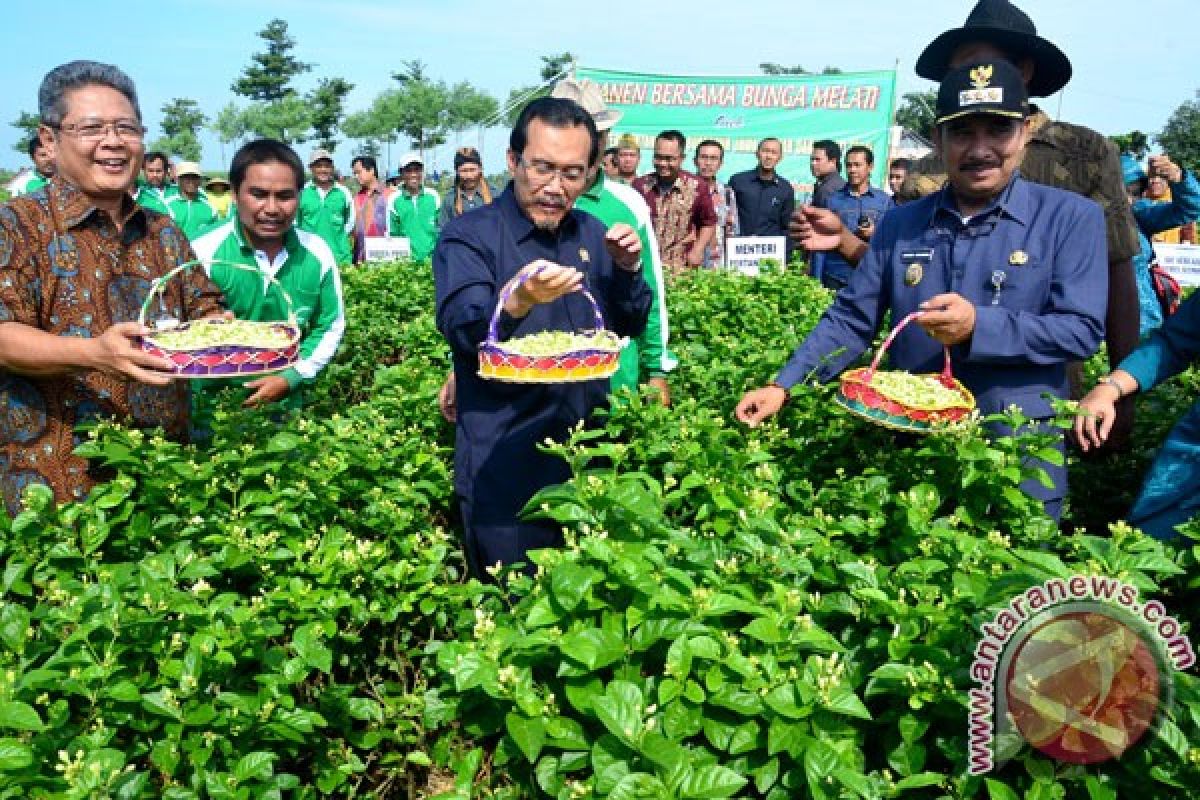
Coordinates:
column 1044, row 248
column 497, row 464
column 831, row 268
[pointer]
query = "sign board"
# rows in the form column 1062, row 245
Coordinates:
column 745, row 254
column 740, row 110
column 1182, row 261
column 386, row 248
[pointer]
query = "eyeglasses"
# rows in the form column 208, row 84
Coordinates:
column 545, row 172
column 127, row 130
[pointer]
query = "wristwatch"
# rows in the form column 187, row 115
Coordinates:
column 1109, row 380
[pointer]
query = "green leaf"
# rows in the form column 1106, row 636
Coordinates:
column 845, row 701
column 1098, row 791
column 619, row 710
column 764, row 629
column 283, row 442
column 14, row 755
column 529, row 734
column 711, row 781
column 254, row 766
column 594, row 647
column 19, row 716
column 569, row 583
column 124, row 692
column 14, row 621
column 1000, row 791
column 639, row 786
column 309, row 647
column 920, row 781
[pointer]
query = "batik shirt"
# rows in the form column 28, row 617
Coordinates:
column 678, row 213
column 65, row 269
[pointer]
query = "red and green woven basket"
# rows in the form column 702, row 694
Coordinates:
column 229, row 359
column 861, row 395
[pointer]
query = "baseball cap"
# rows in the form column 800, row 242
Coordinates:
column 318, row 154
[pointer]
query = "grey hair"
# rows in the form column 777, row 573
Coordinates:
column 52, row 100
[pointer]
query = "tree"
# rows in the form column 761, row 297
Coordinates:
column 771, row 68
column 425, row 110
column 182, row 119
column 553, row 67
column 28, row 123
column 268, row 78
column 229, row 126
column 289, row 119
column 469, row 106
column 327, row 107
column 1135, row 143
column 1180, row 138
column 369, row 130
column 915, row 112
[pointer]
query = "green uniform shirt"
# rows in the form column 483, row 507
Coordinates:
column 646, row 356
column 307, row 271
column 156, row 199
column 329, row 213
column 194, row 217
column 30, row 182
column 416, row 218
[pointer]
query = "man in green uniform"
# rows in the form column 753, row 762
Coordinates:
column 267, row 177
column 189, row 208
column 646, row 358
column 413, row 209
column 327, row 207
column 154, row 192
column 43, row 168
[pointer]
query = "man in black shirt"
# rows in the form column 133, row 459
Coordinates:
column 765, row 200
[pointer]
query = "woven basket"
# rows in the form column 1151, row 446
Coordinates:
column 227, row 360
column 498, row 363
column 858, row 396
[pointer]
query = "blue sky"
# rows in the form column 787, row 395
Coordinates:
column 1131, row 70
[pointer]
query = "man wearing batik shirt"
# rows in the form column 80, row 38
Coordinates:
column 680, row 205
column 370, row 205
column 709, row 157
column 76, row 261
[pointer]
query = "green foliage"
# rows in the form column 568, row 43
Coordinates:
column 1180, row 137
column 327, row 107
column 771, row 68
column 553, row 68
column 267, row 79
column 1134, row 142
column 289, row 119
column 422, row 110
column 915, row 112
column 229, row 124
column 28, row 124
column 181, row 121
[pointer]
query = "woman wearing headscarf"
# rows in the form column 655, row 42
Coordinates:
column 470, row 190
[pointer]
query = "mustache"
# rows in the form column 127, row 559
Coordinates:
column 979, row 164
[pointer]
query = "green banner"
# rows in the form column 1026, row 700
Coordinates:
column 850, row 108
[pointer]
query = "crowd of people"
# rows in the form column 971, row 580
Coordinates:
column 1022, row 243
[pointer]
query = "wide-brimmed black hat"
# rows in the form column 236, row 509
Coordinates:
column 1001, row 23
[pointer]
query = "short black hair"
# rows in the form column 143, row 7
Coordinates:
column 866, row 151
column 831, row 150
column 766, row 139
column 711, row 143
column 34, row 144
column 264, row 151
column 674, row 136
column 556, row 112
column 368, row 162
column 611, row 151
column 155, row 155
column 901, row 163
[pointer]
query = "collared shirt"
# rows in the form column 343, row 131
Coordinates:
column 1153, row 217
column 764, row 205
column 29, row 182
column 306, row 269
column 156, row 199
column 1034, row 266
column 646, row 355
column 679, row 212
column 329, row 213
column 66, row 270
column 497, row 463
column 370, row 216
column 725, row 207
column 850, row 208
column 193, row 217
column 470, row 202
column 415, row 216
column 825, row 186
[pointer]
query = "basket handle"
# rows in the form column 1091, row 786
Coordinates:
column 493, row 334
column 159, row 284
column 947, row 375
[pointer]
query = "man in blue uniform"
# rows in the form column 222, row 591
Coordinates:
column 1011, row 275
column 531, row 228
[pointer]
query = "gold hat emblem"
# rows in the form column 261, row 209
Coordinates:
column 981, row 76
column 1019, row 258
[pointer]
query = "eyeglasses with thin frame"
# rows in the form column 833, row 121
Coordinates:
column 127, row 130
column 545, row 171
